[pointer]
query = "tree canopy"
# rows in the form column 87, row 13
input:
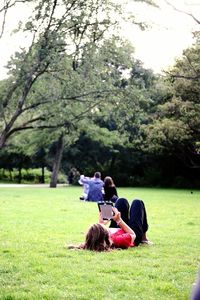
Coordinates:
column 77, row 97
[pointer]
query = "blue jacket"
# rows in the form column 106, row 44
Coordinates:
column 95, row 189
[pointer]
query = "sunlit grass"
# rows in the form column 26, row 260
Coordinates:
column 36, row 223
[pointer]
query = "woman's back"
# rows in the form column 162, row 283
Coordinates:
column 109, row 189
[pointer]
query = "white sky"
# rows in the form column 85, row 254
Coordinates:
column 169, row 34
column 157, row 47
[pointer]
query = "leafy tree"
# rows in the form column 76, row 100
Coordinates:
column 59, row 79
column 123, row 117
column 174, row 129
column 59, row 29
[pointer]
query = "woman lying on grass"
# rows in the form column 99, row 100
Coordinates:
column 123, row 232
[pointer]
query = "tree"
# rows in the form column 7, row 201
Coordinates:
column 54, row 78
column 58, row 28
column 55, row 32
column 174, row 129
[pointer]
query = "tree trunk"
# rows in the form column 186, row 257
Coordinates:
column 3, row 138
column 6, row 132
column 42, row 177
column 56, row 164
column 19, row 175
column 28, row 82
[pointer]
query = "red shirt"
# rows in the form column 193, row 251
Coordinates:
column 121, row 239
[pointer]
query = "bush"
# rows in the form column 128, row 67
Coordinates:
column 27, row 176
column 62, row 178
column 181, row 182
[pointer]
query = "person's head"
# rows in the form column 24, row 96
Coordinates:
column 108, row 181
column 97, row 175
column 97, row 238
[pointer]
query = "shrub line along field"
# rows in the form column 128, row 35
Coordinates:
column 37, row 223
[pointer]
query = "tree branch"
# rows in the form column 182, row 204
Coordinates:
column 3, row 23
column 190, row 63
column 183, row 76
column 184, row 12
column 9, row 4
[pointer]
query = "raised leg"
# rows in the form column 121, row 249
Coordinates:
column 138, row 220
column 123, row 206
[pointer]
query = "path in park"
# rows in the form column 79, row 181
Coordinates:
column 46, row 185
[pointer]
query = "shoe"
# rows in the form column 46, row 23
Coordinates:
column 147, row 242
column 81, row 198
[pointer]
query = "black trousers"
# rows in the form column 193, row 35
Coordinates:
column 135, row 216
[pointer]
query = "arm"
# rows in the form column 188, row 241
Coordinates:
column 84, row 179
column 122, row 224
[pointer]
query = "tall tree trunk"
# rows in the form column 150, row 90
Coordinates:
column 28, row 82
column 2, row 140
column 42, row 177
column 19, row 175
column 56, row 164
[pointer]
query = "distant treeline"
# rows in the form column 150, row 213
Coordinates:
column 127, row 168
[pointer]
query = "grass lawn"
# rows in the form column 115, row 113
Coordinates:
column 35, row 223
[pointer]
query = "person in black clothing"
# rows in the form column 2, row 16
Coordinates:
column 196, row 290
column 135, row 216
column 110, row 190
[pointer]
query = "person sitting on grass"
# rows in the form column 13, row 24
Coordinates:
column 85, row 187
column 124, row 232
column 95, row 186
column 110, row 190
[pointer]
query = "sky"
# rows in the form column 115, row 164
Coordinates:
column 158, row 46
column 169, row 34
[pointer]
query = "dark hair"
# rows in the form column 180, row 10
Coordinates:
column 97, row 238
column 97, row 175
column 108, row 181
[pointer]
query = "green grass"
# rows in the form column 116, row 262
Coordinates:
column 36, row 223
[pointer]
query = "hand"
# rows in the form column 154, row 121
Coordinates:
column 101, row 220
column 117, row 214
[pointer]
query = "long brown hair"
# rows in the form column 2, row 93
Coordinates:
column 108, row 181
column 97, row 238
